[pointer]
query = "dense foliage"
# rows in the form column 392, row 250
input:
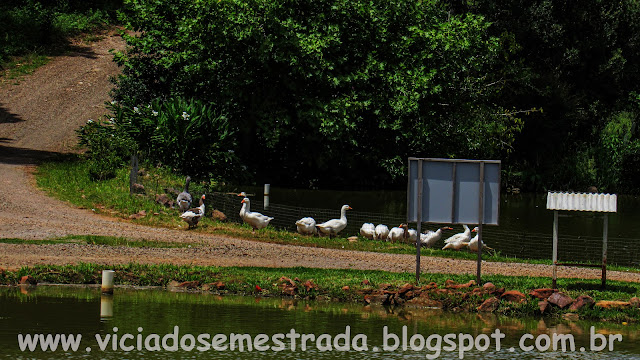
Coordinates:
column 339, row 93
column 579, row 61
column 186, row 135
column 331, row 92
column 28, row 26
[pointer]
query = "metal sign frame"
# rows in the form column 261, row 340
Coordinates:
column 454, row 212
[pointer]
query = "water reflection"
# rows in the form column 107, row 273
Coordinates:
column 106, row 307
column 73, row 310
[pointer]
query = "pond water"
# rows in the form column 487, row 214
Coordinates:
column 66, row 310
column 524, row 231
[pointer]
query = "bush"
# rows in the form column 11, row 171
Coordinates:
column 187, row 135
column 108, row 148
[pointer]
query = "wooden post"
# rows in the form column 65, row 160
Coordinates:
column 480, row 221
column 419, row 213
column 133, row 176
column 605, row 235
column 554, row 257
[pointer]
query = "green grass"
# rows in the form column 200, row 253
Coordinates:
column 101, row 240
column 33, row 32
column 330, row 283
column 24, row 65
column 69, row 181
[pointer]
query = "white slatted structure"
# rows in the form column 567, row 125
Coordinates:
column 565, row 201
column 582, row 202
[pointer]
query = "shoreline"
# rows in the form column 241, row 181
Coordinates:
column 502, row 295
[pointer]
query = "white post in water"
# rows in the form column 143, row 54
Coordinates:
column 267, row 187
column 106, row 306
column 107, row 281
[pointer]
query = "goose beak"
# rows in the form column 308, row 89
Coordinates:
column 449, row 228
column 242, row 202
column 349, row 208
column 474, row 230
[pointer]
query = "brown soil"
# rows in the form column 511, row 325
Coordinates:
column 38, row 118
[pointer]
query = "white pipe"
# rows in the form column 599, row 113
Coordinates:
column 267, row 188
column 107, row 281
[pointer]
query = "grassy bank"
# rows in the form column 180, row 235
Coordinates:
column 100, row 240
column 31, row 32
column 70, row 181
column 339, row 285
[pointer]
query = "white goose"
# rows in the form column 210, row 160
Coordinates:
column 192, row 216
column 184, row 198
column 306, row 226
column 473, row 244
column 334, row 226
column 408, row 235
column 243, row 209
column 381, row 232
column 396, row 234
column 255, row 219
column 458, row 241
column 430, row 238
column 368, row 230
column 463, row 236
column 413, row 235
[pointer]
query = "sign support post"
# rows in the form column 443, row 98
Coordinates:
column 480, row 221
column 554, row 256
column 419, row 213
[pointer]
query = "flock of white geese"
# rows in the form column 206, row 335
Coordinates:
column 401, row 233
column 308, row 225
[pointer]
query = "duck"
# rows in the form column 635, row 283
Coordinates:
column 463, row 236
column 368, row 230
column 306, row 226
column 255, row 219
column 473, row 244
column 396, row 233
column 184, row 199
column 456, row 244
column 192, row 216
column 430, row 238
column 334, row 226
column 381, row 232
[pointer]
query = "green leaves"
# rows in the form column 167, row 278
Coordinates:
column 324, row 89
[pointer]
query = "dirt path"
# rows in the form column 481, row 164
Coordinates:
column 38, row 119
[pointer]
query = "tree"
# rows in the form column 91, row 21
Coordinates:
column 327, row 92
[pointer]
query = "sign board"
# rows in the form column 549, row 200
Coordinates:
column 451, row 190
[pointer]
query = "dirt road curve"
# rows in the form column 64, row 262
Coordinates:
column 38, row 118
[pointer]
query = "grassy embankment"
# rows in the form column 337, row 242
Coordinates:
column 69, row 181
column 31, row 32
column 329, row 284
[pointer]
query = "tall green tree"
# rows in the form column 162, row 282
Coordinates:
column 580, row 63
column 327, row 92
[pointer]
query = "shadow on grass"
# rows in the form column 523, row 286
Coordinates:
column 597, row 286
